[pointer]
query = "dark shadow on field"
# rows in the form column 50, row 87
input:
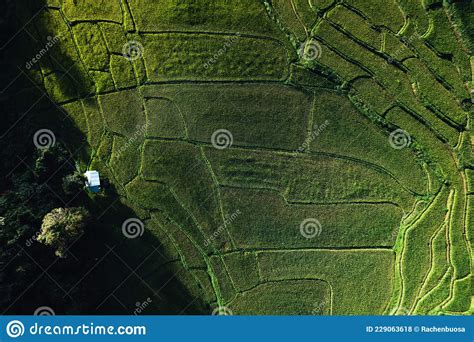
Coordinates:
column 105, row 273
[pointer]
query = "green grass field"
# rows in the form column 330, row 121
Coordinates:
column 289, row 157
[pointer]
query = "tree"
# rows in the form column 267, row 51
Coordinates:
column 73, row 183
column 61, row 227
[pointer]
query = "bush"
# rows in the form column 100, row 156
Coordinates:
column 73, row 183
column 61, row 227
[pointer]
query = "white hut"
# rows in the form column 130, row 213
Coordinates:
column 92, row 181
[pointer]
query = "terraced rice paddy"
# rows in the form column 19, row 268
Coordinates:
column 290, row 156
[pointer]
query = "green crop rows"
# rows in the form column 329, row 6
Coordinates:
column 310, row 139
